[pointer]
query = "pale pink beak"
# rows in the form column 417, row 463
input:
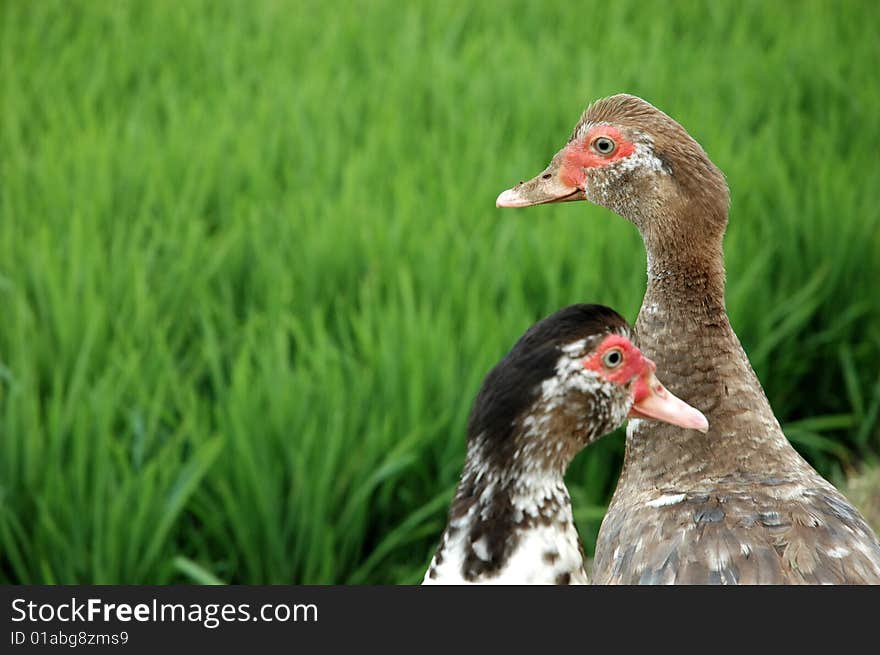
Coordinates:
column 654, row 401
column 544, row 188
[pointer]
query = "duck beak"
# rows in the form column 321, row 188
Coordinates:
column 654, row 401
column 543, row 188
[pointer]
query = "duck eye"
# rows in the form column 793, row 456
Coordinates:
column 612, row 358
column 603, row 145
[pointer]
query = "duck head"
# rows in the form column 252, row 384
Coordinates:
column 571, row 378
column 631, row 158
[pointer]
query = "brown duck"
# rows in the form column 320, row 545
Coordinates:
column 736, row 505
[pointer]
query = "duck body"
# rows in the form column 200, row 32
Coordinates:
column 738, row 504
column 572, row 378
column 735, row 506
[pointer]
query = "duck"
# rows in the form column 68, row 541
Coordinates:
column 570, row 379
column 737, row 505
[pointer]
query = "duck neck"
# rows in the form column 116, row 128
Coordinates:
column 690, row 279
column 683, row 326
column 500, row 508
column 505, row 497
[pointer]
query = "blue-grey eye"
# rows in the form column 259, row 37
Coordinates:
column 613, row 358
column 604, row 146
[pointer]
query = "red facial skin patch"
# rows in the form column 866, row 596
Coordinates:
column 634, row 362
column 641, row 390
column 579, row 155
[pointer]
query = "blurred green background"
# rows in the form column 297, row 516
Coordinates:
column 251, row 271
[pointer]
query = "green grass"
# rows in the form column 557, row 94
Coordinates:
column 251, row 271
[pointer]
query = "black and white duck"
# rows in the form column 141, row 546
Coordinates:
column 570, row 379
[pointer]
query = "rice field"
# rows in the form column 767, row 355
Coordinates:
column 252, row 274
